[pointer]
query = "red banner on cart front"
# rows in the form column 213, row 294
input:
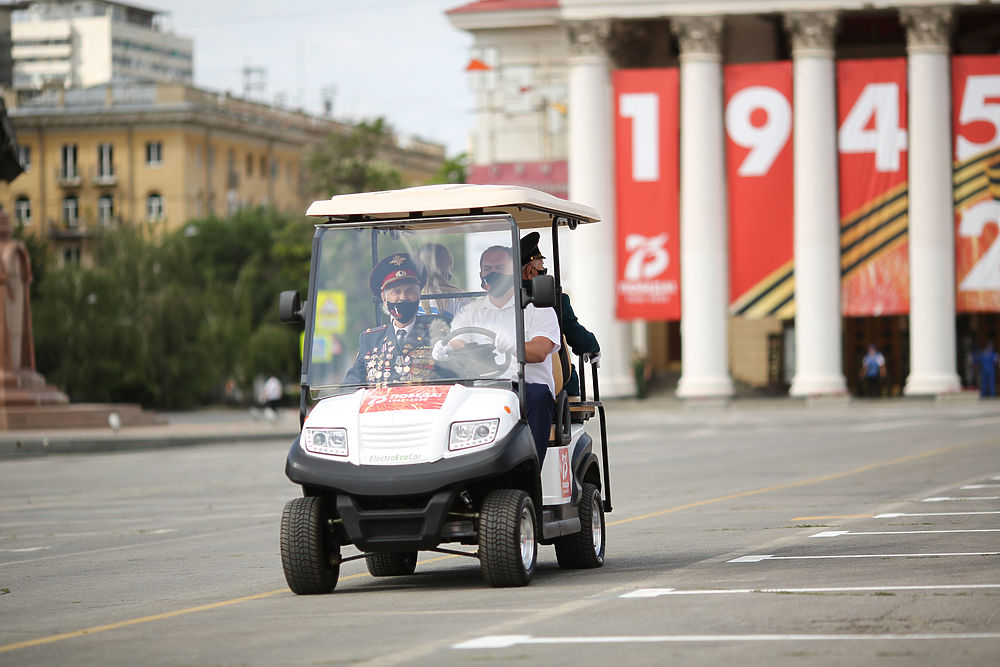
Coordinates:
column 976, row 123
column 428, row 397
column 759, row 175
column 647, row 181
column 872, row 141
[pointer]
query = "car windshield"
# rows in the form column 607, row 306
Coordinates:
column 385, row 294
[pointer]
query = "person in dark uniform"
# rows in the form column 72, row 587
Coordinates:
column 401, row 350
column 580, row 340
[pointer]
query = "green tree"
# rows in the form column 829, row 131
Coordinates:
column 352, row 162
column 452, row 170
column 165, row 321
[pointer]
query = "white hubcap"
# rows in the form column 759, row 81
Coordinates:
column 527, row 539
column 595, row 517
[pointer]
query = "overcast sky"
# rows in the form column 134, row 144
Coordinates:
column 401, row 59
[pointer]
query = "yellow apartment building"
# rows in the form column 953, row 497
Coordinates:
column 162, row 154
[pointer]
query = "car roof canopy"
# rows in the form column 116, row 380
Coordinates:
column 529, row 208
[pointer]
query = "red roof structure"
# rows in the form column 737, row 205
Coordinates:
column 503, row 6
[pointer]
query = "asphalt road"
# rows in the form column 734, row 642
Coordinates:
column 756, row 534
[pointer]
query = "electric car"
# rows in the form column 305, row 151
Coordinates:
column 404, row 448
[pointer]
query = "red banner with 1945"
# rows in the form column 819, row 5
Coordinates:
column 648, row 184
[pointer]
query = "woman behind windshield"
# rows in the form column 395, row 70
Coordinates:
column 438, row 263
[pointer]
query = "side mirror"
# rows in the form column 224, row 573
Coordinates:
column 290, row 307
column 543, row 292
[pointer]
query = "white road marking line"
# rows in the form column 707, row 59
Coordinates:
column 894, row 515
column 21, row 551
column 630, row 437
column 887, row 426
column 980, row 486
column 507, row 641
column 759, row 557
column 839, row 533
column 941, row 499
column 657, row 592
column 978, row 422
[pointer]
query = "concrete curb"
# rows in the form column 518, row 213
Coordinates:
column 44, row 444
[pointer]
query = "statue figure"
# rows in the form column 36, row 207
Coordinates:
column 17, row 350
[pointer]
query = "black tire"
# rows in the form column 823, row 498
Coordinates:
column 391, row 564
column 309, row 555
column 585, row 549
column 508, row 545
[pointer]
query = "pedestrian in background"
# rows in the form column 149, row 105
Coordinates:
column 987, row 363
column 872, row 372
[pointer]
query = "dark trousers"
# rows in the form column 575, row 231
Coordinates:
column 873, row 386
column 987, row 383
column 540, row 409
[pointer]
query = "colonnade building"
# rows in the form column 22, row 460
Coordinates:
column 781, row 182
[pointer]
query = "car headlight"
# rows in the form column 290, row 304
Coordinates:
column 329, row 441
column 472, row 434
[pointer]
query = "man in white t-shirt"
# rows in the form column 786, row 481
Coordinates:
column 541, row 338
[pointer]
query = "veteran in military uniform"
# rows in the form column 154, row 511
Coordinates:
column 401, row 350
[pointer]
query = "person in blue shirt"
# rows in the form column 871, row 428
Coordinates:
column 986, row 359
column 872, row 372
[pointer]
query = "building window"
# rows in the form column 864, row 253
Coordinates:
column 105, row 160
column 24, row 157
column 154, row 153
column 249, row 164
column 105, row 210
column 71, row 211
column 263, row 166
column 67, row 165
column 71, row 255
column 22, row 211
column 274, row 169
column 154, row 207
column 210, row 158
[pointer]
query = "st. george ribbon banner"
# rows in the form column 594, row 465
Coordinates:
column 872, row 145
column 976, row 123
column 647, row 120
column 758, row 117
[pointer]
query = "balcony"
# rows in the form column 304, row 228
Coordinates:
column 68, row 177
column 63, row 231
column 103, row 177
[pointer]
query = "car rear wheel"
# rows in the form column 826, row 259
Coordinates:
column 508, row 548
column 585, row 549
column 310, row 556
column 391, row 564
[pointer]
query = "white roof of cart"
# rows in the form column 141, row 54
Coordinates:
column 530, row 208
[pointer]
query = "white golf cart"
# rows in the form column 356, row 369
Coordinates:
column 400, row 452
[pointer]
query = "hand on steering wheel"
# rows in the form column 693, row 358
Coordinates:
column 494, row 361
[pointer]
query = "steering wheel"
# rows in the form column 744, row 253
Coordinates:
column 478, row 357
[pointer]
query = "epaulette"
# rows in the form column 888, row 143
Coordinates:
column 381, row 328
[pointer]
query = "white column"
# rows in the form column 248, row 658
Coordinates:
column 818, row 346
column 931, row 214
column 703, row 229
column 590, row 260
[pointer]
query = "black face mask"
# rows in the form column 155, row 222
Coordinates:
column 497, row 283
column 403, row 311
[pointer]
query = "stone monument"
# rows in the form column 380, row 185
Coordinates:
column 20, row 384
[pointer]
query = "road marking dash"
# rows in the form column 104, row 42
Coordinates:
column 758, row 558
column 657, row 592
column 839, row 533
column 894, row 515
column 941, row 499
column 830, row 516
column 507, row 641
column 980, row 486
